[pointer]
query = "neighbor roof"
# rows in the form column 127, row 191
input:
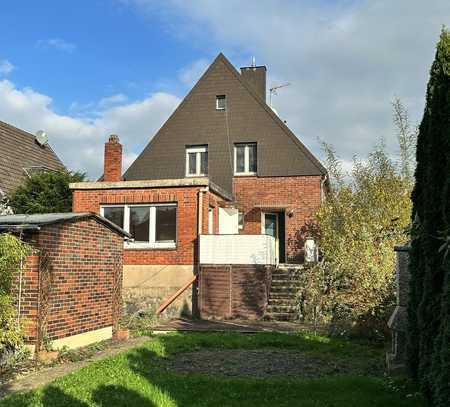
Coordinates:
column 247, row 118
column 33, row 222
column 20, row 153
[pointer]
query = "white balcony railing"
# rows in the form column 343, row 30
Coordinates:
column 237, row 249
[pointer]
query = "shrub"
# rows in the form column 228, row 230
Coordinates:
column 12, row 252
column 45, row 192
column 366, row 213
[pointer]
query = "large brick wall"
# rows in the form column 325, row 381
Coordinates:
column 79, row 270
column 186, row 199
column 234, row 291
column 301, row 196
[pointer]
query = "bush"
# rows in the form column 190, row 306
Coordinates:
column 366, row 213
column 45, row 192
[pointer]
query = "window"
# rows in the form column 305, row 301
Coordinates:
column 151, row 226
column 221, row 102
column 196, row 161
column 245, row 159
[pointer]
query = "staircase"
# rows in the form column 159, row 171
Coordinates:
column 283, row 293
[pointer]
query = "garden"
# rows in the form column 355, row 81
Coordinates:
column 231, row 369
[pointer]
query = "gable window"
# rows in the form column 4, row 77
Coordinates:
column 245, row 159
column 221, row 102
column 151, row 226
column 196, row 161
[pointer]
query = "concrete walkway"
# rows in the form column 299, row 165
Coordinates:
column 243, row 326
column 46, row 375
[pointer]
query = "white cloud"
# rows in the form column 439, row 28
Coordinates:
column 6, row 67
column 79, row 141
column 57, row 43
column 112, row 100
column 190, row 75
column 345, row 60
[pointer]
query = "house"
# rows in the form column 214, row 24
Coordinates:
column 22, row 154
column 222, row 164
column 69, row 288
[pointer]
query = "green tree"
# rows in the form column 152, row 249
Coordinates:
column 360, row 222
column 45, row 192
column 429, row 305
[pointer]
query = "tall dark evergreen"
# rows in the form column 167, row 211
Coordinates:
column 429, row 306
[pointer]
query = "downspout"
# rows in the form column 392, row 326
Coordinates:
column 322, row 187
column 197, row 266
column 200, row 209
column 19, row 304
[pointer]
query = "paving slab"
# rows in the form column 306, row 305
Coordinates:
column 243, row 326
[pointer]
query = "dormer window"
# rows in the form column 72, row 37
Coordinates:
column 221, row 102
column 245, row 160
column 196, row 161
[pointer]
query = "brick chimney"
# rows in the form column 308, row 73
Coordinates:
column 255, row 76
column 112, row 170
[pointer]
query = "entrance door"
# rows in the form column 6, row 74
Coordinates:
column 273, row 224
column 270, row 226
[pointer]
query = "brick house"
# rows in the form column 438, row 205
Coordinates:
column 222, row 164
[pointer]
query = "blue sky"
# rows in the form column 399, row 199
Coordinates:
column 82, row 70
column 86, row 50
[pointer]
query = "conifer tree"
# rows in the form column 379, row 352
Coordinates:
column 428, row 309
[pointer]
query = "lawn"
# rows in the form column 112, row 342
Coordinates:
column 220, row 369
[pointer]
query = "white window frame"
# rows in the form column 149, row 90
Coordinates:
column 152, row 243
column 198, row 160
column 246, row 159
column 221, row 97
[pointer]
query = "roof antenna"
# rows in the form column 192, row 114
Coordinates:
column 273, row 91
column 253, row 62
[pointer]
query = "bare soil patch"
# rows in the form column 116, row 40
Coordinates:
column 263, row 364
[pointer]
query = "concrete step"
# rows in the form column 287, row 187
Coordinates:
column 280, row 316
column 277, row 282
column 284, row 309
column 282, row 296
column 285, row 277
column 282, row 301
column 287, row 289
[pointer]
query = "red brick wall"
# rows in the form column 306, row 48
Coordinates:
column 84, row 261
column 186, row 199
column 302, row 195
column 29, row 297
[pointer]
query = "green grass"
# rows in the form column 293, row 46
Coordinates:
column 138, row 378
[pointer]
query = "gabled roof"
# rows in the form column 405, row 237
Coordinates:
column 35, row 221
column 272, row 114
column 20, row 155
column 249, row 118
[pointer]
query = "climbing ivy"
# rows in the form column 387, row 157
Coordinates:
column 12, row 253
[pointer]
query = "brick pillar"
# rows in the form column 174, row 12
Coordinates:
column 113, row 160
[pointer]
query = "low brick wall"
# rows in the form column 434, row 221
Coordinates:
column 234, row 291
